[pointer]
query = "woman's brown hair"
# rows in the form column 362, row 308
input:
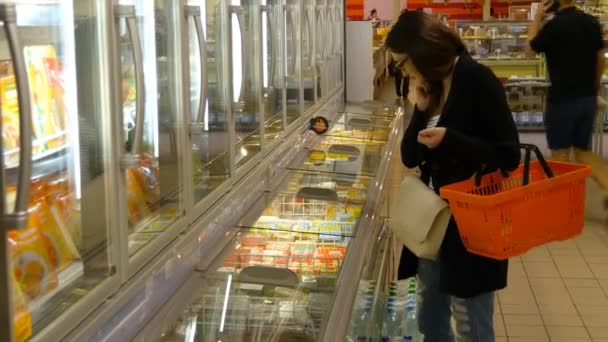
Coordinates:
column 429, row 44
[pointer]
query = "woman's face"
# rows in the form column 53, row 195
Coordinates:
column 404, row 63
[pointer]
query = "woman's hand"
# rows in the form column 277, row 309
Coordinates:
column 418, row 93
column 432, row 137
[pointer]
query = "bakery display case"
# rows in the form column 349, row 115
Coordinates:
column 289, row 270
column 501, row 45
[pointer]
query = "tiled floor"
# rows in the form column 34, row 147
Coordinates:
column 557, row 292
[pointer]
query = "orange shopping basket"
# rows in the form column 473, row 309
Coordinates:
column 537, row 203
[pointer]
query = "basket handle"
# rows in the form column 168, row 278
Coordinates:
column 528, row 149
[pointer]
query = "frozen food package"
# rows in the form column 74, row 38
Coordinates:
column 136, row 200
column 35, row 270
column 253, row 240
column 48, row 113
column 60, row 244
column 250, row 256
column 302, row 250
column 22, row 318
column 10, row 120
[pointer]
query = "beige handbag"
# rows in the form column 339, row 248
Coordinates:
column 419, row 218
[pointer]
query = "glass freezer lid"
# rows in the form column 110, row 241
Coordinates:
column 361, row 126
column 345, row 190
column 231, row 308
column 315, row 214
column 347, row 158
column 370, row 108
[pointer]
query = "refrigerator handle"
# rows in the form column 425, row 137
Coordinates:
column 18, row 218
column 197, row 126
column 128, row 13
column 271, row 51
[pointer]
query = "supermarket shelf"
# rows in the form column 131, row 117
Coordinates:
column 44, row 164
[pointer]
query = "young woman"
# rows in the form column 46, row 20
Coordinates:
column 461, row 125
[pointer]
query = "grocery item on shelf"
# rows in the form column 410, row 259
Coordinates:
column 22, row 317
column 34, row 265
column 46, row 88
column 10, row 119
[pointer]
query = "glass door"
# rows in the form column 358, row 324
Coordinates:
column 321, row 48
column 209, row 120
column 273, row 79
column 53, row 88
column 245, row 86
column 151, row 163
column 308, row 53
column 292, row 65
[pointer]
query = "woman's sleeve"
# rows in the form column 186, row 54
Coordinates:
column 499, row 146
column 410, row 148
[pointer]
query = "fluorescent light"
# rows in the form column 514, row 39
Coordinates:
column 265, row 48
column 237, row 58
column 225, row 308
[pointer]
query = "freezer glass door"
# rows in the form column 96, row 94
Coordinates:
column 308, row 53
column 151, row 157
column 273, row 79
column 208, row 127
column 54, row 78
column 245, row 85
column 292, row 65
column 320, row 47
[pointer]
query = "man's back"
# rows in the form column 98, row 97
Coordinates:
column 570, row 41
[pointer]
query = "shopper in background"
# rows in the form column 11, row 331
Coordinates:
column 461, row 124
column 373, row 15
column 573, row 46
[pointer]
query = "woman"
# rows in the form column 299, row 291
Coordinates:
column 461, row 124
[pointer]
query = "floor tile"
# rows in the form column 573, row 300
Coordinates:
column 591, row 296
column 541, row 269
column 534, row 320
column 574, row 268
column 591, row 309
column 563, row 308
column 598, row 332
column 529, row 339
column 580, row 283
column 568, row 320
column 567, row 332
column 526, row 331
column 595, row 320
column 599, row 270
column 519, row 309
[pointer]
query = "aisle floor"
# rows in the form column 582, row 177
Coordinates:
column 557, row 292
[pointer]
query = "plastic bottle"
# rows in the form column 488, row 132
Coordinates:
column 360, row 322
column 410, row 330
column 392, row 325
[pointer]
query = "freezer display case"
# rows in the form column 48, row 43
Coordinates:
column 54, row 173
column 123, row 123
column 501, row 45
column 280, row 278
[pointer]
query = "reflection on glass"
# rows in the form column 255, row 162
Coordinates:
column 154, row 197
column 292, row 60
column 272, row 75
column 62, row 254
column 209, row 135
column 320, row 47
column 244, row 85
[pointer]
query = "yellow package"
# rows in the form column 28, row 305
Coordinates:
column 61, row 247
column 22, row 318
column 136, row 200
column 35, row 270
column 46, row 93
